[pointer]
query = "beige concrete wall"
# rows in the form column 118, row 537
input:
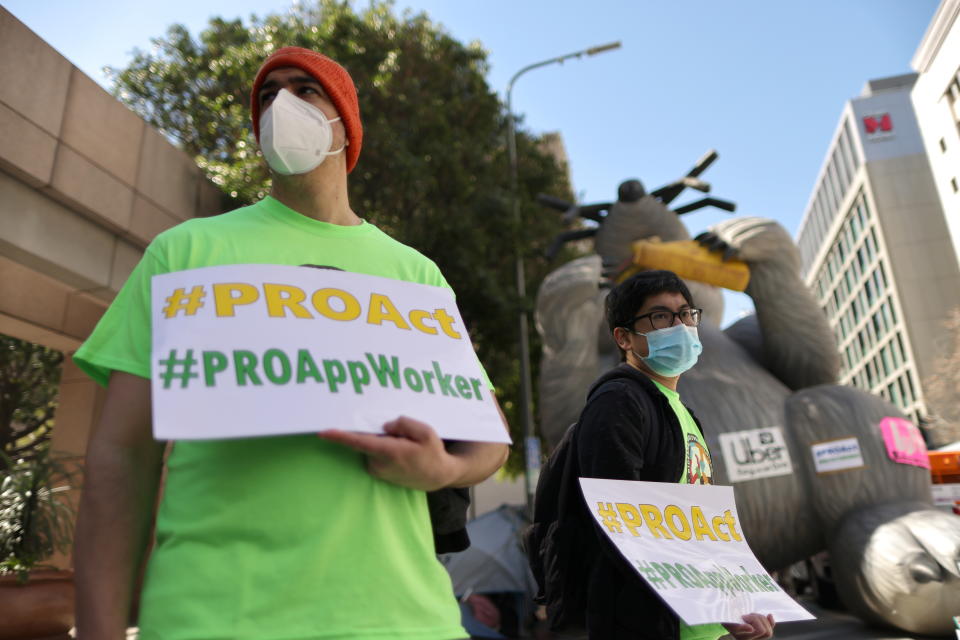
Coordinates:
column 922, row 255
column 85, row 185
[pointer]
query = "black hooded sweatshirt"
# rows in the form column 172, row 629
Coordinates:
column 626, row 431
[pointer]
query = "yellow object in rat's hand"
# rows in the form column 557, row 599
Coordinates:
column 691, row 261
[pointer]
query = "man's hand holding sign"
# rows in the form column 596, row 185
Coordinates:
column 382, row 366
column 415, row 457
column 753, row 627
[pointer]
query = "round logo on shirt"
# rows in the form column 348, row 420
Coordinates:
column 699, row 466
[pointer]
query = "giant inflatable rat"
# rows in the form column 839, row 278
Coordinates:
column 894, row 557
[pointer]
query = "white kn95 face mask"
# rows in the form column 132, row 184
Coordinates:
column 295, row 136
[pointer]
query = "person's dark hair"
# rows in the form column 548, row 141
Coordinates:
column 628, row 297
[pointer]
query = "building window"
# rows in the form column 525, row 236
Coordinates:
column 953, row 97
column 841, row 169
column 913, row 393
column 903, row 352
column 907, row 399
column 887, row 360
column 847, row 141
column 953, row 184
column 943, row 145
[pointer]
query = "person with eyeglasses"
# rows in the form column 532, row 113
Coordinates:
column 633, row 427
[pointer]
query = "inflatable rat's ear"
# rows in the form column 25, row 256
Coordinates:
column 669, row 192
column 596, row 212
column 726, row 205
column 571, row 211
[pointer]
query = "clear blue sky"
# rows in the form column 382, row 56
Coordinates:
column 761, row 81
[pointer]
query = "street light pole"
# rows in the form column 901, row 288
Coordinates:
column 530, row 442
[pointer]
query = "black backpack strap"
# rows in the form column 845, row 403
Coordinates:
column 552, row 550
column 448, row 518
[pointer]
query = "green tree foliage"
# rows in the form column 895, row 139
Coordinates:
column 29, row 383
column 433, row 171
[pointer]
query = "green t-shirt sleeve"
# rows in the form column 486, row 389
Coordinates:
column 121, row 340
column 701, row 631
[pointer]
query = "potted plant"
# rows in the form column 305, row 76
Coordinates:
column 36, row 521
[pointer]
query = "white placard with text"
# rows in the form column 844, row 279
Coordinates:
column 255, row 350
column 687, row 543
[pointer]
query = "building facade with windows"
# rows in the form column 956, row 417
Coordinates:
column 876, row 250
column 936, row 101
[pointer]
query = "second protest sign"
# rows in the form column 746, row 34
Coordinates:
column 686, row 542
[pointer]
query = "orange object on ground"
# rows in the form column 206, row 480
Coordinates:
column 945, row 467
column 945, row 479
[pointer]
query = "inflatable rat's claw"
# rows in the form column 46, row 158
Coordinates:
column 712, row 241
column 755, row 239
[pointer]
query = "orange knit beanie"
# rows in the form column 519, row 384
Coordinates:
column 334, row 79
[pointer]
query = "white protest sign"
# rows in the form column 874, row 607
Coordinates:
column 254, row 350
column 755, row 454
column 841, row 454
column 686, row 542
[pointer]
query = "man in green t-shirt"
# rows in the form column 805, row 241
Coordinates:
column 268, row 538
column 633, row 427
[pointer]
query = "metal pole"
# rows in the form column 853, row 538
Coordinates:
column 530, row 442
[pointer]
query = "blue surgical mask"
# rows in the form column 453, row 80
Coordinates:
column 673, row 350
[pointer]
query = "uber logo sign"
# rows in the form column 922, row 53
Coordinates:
column 754, row 454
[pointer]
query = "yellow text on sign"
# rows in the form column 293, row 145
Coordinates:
column 284, row 300
column 670, row 523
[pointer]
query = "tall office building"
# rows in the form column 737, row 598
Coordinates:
column 875, row 247
column 936, row 101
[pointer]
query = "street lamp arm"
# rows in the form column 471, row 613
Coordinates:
column 558, row 60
